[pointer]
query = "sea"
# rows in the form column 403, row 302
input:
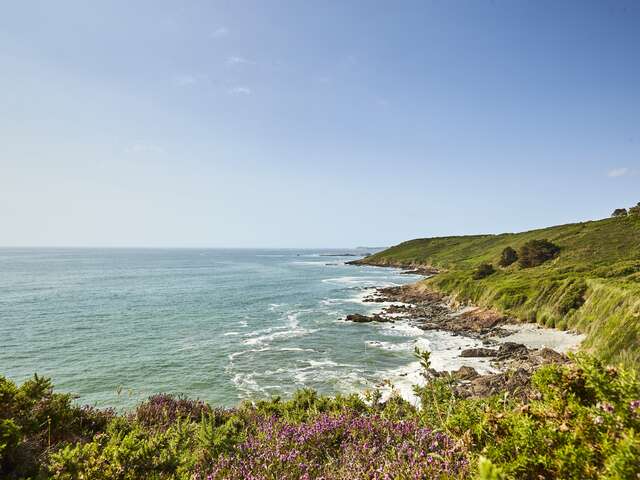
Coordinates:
column 114, row 326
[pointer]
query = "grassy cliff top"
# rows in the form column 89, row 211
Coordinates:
column 593, row 285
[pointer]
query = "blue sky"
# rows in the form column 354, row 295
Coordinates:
column 311, row 124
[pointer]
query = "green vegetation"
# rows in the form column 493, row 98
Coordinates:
column 576, row 421
column 507, row 257
column 536, row 252
column 483, row 270
column 592, row 284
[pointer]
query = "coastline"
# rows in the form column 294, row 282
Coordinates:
column 495, row 344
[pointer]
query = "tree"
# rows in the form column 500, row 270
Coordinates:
column 483, row 270
column 635, row 211
column 619, row 212
column 536, row 252
column 507, row 257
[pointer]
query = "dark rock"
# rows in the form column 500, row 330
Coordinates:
column 465, row 373
column 512, row 349
column 551, row 356
column 515, row 382
column 358, row 318
column 479, row 352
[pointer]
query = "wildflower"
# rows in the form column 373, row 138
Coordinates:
column 605, row 407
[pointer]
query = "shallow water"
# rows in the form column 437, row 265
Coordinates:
column 116, row 325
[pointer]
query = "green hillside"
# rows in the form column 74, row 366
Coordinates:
column 592, row 286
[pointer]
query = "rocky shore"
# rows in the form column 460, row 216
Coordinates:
column 514, row 362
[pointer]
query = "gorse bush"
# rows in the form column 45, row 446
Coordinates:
column 483, row 270
column 536, row 252
column 33, row 419
column 507, row 257
column 575, row 421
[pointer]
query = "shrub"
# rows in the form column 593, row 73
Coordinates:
column 34, row 420
column 571, row 421
column 128, row 454
column 619, row 212
column 342, row 446
column 536, row 252
column 577, row 421
column 507, row 257
column 635, row 211
column 163, row 410
column 483, row 270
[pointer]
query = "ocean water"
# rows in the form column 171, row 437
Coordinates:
column 116, row 325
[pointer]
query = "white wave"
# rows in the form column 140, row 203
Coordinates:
column 401, row 381
column 246, row 383
column 324, row 363
column 229, row 334
column 295, row 349
column 347, row 380
column 233, row 355
column 291, row 330
column 401, row 329
column 391, row 347
column 445, row 351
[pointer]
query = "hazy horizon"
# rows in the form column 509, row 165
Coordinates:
column 295, row 125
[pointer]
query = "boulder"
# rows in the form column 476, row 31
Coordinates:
column 479, row 352
column 358, row 318
column 512, row 349
column 465, row 373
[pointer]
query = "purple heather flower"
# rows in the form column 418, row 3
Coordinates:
column 605, row 407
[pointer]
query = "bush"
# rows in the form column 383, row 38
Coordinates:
column 483, row 270
column 34, row 420
column 507, row 257
column 536, row 252
column 635, row 211
column 572, row 421
column 619, row 212
column 163, row 410
column 342, row 446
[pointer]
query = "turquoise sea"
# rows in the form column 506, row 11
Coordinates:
column 116, row 325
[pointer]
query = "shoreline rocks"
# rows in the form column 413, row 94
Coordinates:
column 430, row 310
column 358, row 318
column 479, row 352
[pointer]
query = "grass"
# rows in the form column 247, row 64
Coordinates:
column 593, row 286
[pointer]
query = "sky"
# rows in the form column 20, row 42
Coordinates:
column 312, row 124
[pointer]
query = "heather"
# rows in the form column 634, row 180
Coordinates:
column 582, row 276
column 578, row 420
